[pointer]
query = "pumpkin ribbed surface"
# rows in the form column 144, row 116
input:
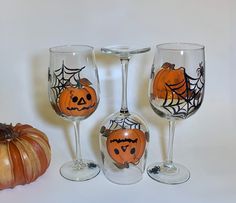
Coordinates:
column 24, row 154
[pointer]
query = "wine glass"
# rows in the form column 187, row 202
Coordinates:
column 176, row 91
column 74, row 95
column 124, row 135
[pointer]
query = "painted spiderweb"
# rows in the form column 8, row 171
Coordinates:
column 189, row 93
column 125, row 123
column 63, row 77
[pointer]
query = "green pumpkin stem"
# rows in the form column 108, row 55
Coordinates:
column 7, row 133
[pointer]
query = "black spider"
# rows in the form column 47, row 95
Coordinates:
column 155, row 170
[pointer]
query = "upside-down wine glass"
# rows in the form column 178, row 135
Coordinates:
column 74, row 95
column 124, row 135
column 176, row 91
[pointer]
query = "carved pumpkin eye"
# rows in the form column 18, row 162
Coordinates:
column 116, row 151
column 132, row 151
column 75, row 99
column 88, row 96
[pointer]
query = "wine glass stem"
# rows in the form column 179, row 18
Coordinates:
column 124, row 64
column 169, row 161
column 78, row 158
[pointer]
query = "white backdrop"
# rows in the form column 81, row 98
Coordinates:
column 205, row 143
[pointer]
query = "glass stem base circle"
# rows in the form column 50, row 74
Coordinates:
column 79, row 170
column 169, row 174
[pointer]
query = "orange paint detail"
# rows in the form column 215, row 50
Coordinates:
column 126, row 145
column 166, row 77
column 75, row 101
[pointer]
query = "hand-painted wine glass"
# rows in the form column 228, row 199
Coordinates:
column 124, row 135
column 74, row 95
column 176, row 91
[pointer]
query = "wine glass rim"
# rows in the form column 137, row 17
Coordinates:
column 70, row 48
column 176, row 46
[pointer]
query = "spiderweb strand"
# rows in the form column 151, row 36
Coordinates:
column 187, row 100
column 63, row 77
column 125, row 123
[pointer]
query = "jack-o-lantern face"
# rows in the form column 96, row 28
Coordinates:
column 75, row 101
column 126, row 145
column 170, row 83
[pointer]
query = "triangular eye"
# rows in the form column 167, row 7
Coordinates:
column 81, row 101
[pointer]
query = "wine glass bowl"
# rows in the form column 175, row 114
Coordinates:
column 123, row 141
column 176, row 91
column 73, row 87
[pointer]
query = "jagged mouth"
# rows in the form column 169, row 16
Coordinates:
column 83, row 108
column 124, row 140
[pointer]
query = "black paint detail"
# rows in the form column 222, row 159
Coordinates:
column 89, row 97
column 116, row 151
column 190, row 99
column 123, row 148
column 75, row 99
column 124, row 140
column 77, row 109
column 132, row 151
column 81, row 101
column 155, row 170
column 124, row 123
column 124, row 111
column 92, row 165
column 64, row 77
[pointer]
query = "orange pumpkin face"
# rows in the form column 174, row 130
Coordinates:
column 75, row 101
column 126, row 145
column 170, row 83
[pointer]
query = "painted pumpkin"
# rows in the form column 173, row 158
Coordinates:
column 170, row 83
column 78, row 100
column 126, row 145
column 24, row 154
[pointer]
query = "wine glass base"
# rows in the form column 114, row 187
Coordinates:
column 174, row 174
column 79, row 171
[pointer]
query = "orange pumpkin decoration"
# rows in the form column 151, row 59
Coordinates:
column 170, row 83
column 80, row 100
column 24, row 154
column 126, row 145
